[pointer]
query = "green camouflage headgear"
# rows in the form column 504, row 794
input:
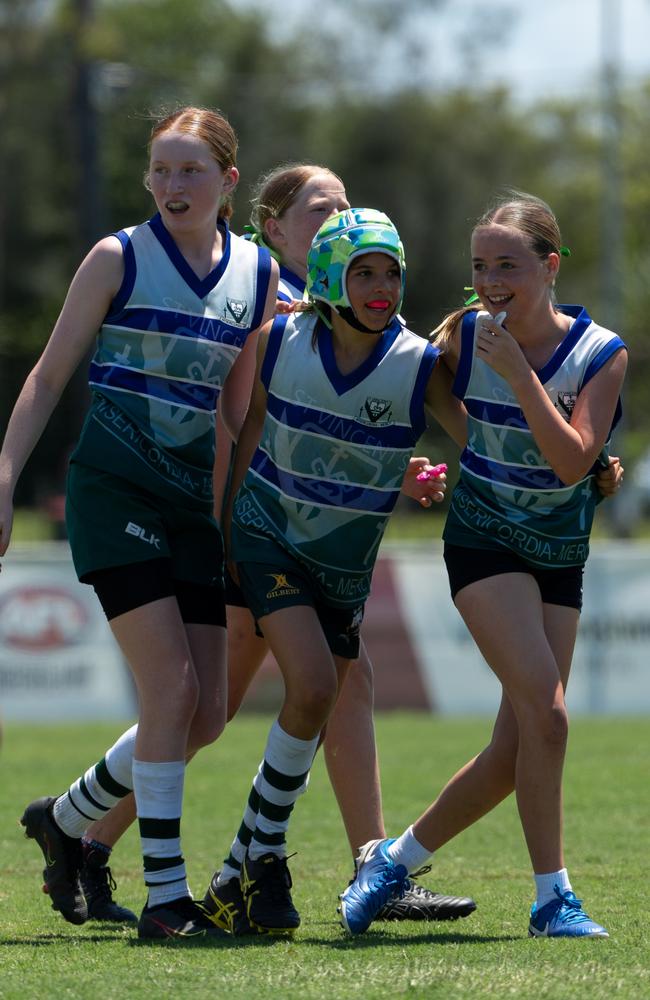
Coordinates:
column 339, row 240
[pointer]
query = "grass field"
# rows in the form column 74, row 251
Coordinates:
column 408, row 523
column 486, row 955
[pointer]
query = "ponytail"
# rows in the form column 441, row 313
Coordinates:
column 443, row 333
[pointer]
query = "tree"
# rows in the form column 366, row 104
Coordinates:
column 431, row 159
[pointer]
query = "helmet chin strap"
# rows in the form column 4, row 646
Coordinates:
column 348, row 314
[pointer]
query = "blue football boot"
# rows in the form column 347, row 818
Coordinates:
column 378, row 880
column 563, row 917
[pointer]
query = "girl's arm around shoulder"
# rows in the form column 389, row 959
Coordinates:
column 89, row 296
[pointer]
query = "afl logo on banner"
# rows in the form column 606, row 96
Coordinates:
column 41, row 619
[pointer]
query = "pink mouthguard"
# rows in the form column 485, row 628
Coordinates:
column 433, row 473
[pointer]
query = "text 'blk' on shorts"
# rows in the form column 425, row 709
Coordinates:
column 561, row 586
column 114, row 524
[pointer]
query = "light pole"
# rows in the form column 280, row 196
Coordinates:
column 612, row 127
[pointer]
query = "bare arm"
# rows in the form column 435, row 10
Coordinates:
column 90, row 294
column 237, row 389
column 444, row 406
column 221, row 467
column 439, row 400
column 450, row 413
column 570, row 448
column 233, row 402
column 235, row 399
column 249, row 437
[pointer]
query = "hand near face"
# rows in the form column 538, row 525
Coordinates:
column 500, row 350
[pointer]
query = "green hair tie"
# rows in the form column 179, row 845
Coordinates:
column 253, row 234
column 565, row 252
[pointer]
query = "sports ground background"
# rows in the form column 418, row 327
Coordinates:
column 58, row 660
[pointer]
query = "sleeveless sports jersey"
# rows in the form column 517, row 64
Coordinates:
column 508, row 493
column 333, row 452
column 290, row 286
column 163, row 355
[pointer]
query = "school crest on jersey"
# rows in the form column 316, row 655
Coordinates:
column 567, row 401
column 376, row 411
column 237, row 309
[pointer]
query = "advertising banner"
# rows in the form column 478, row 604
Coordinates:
column 59, row 661
column 611, row 664
column 58, row 658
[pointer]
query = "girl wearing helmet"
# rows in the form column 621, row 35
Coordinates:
column 337, row 407
column 290, row 205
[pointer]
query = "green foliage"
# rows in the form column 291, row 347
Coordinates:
column 76, row 114
column 487, row 955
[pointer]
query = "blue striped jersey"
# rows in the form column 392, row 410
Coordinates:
column 290, row 286
column 333, row 451
column 163, row 354
column 508, row 493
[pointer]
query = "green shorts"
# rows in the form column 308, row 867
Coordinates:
column 113, row 522
column 275, row 580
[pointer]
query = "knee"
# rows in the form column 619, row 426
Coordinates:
column 177, row 703
column 552, row 725
column 209, row 720
column 202, row 737
column 315, row 703
column 557, row 725
column 235, row 698
column 205, row 730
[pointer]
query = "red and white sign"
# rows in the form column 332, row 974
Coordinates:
column 38, row 618
column 59, row 661
column 58, row 658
